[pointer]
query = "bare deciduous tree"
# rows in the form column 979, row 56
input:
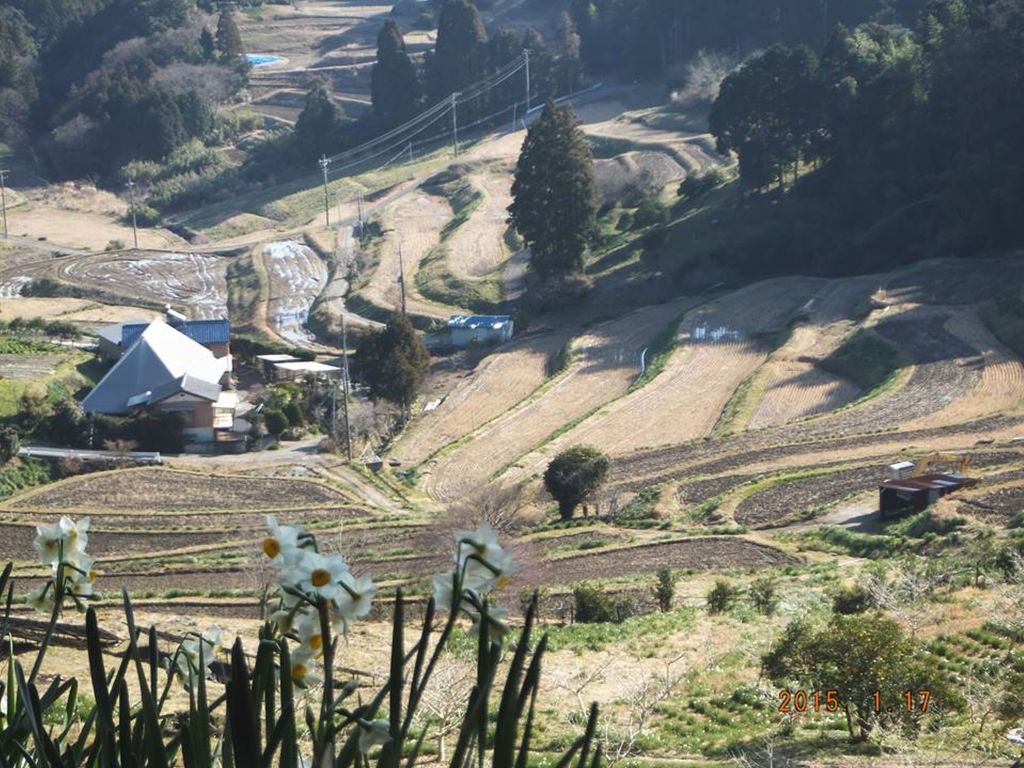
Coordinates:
column 444, row 700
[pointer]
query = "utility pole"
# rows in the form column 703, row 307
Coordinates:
column 325, row 163
column 344, row 382
column 526, row 53
column 135, row 228
column 515, row 114
column 401, row 275
column 412, row 158
column 455, row 123
column 360, row 204
column 3, row 197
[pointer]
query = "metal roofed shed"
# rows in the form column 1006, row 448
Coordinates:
column 466, row 330
column 298, row 369
column 915, row 494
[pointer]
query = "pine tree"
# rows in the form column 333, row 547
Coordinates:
column 394, row 86
column 319, row 123
column 460, row 57
column 229, row 40
column 394, row 362
column 554, row 194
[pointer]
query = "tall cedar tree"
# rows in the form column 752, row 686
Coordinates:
column 460, row 57
column 229, row 40
column 319, row 124
column 207, row 45
column 394, row 362
column 555, row 197
column 569, row 76
column 574, row 475
column 394, row 85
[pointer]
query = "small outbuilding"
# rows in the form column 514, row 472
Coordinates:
column 466, row 330
column 915, row 494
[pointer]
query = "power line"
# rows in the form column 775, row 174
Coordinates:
column 3, row 197
column 324, row 162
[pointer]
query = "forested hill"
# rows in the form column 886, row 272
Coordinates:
column 647, row 37
column 99, row 82
column 906, row 143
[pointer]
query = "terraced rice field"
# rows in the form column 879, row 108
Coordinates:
column 790, row 500
column 718, row 347
column 297, row 276
column 477, row 248
column 412, row 227
column 501, row 381
column 193, row 281
column 606, row 361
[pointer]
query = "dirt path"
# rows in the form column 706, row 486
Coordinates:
column 606, row 361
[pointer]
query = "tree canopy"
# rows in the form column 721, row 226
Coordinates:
column 229, row 39
column 395, row 86
column 460, row 56
column 554, row 194
column 394, row 362
column 319, row 125
column 574, row 475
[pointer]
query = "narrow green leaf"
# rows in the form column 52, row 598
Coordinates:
column 244, row 730
column 151, row 736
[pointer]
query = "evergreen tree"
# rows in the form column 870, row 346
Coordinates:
column 394, row 362
column 207, row 45
column 394, row 85
column 542, row 71
column 229, row 40
column 460, row 56
column 574, row 475
column 569, row 69
column 319, row 124
column 555, row 197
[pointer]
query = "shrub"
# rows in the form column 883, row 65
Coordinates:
column 115, row 245
column 650, row 213
column 852, row 599
column 591, row 605
column 10, row 444
column 146, row 215
column 574, row 475
column 276, row 422
column 664, row 589
column 293, row 412
column 764, row 594
column 721, row 597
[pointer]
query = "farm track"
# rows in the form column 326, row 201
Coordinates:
column 162, row 489
column 606, row 362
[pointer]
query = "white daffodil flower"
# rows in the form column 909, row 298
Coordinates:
column 302, row 669
column 48, row 541
column 444, row 591
column 319, row 574
column 76, row 537
column 289, row 612
column 354, row 598
column 307, row 627
column 482, row 560
column 281, row 544
column 496, row 626
column 41, row 598
column 373, row 733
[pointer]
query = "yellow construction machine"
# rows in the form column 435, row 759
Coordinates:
column 962, row 461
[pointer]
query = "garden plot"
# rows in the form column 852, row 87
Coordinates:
column 788, row 500
column 296, row 276
column 19, row 269
column 193, row 281
column 706, row 553
column 163, row 489
column 719, row 346
column 606, row 361
column 413, row 227
column 29, row 367
column 477, row 248
column 994, row 506
column 501, row 381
